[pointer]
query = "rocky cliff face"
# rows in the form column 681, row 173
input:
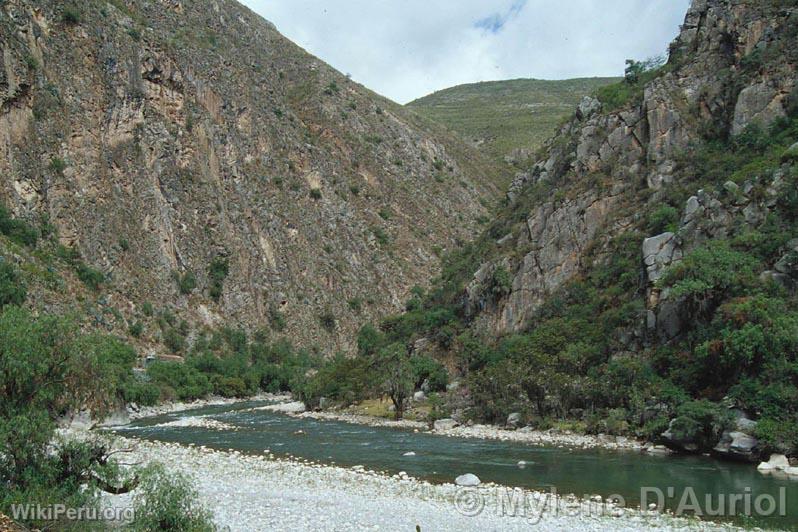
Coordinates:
column 733, row 66
column 159, row 137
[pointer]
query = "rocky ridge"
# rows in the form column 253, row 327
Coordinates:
column 159, row 138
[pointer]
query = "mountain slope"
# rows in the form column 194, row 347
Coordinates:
column 507, row 119
column 642, row 278
column 205, row 164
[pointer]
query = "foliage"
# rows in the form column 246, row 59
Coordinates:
column 12, row 288
column 71, row 16
column 186, row 282
column 217, row 273
column 637, row 75
column 664, row 219
column 48, row 368
column 701, row 422
column 709, row 275
column 17, row 230
column 167, row 501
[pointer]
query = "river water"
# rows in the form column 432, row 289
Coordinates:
column 440, row 459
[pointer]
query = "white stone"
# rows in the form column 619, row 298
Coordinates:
column 445, row 424
column 468, row 479
column 779, row 461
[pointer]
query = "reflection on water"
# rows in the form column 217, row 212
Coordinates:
column 441, row 459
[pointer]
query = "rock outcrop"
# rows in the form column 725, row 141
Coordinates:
column 158, row 136
column 732, row 67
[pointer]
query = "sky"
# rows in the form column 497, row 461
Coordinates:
column 405, row 49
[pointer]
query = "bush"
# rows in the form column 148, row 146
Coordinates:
column 217, row 273
column 188, row 382
column 315, row 193
column 12, row 289
column 167, row 501
column 327, row 321
column 186, row 282
column 70, row 16
column 17, row 230
column 709, row 275
column 89, row 276
column 174, row 340
column 701, row 422
column 136, row 329
column 664, row 219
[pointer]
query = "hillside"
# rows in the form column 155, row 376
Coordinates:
column 204, row 165
column 507, row 120
column 641, row 279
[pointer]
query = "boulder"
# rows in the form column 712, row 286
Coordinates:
column 678, row 442
column 445, row 424
column 419, row 396
column 779, row 462
column 587, row 108
column 514, row 420
column 467, row 480
column 737, row 445
column 792, row 471
column 659, row 252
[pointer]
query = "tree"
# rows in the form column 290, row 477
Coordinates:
column 12, row 289
column 395, row 373
column 47, row 369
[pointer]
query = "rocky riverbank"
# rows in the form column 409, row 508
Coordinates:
column 449, row 427
column 249, row 493
column 135, row 412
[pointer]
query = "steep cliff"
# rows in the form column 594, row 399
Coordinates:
column 206, row 165
column 732, row 67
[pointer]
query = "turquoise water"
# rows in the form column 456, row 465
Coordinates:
column 441, row 459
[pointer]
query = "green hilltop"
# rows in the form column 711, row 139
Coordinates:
column 502, row 116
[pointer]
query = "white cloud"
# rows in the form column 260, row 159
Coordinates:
column 405, row 49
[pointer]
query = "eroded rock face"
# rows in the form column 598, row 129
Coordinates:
column 205, row 134
column 710, row 83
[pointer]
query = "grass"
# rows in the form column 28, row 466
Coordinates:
column 500, row 116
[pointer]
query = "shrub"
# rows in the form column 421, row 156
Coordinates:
column 188, row 382
column 382, row 237
column 277, row 320
column 701, row 422
column 356, row 304
column 315, row 193
column 147, row 309
column 136, row 329
column 89, row 276
column 175, row 341
column 12, row 289
column 708, row 275
column 664, row 219
column 186, row 282
column 217, row 273
column 17, row 230
column 167, row 501
column 70, row 16
column 57, row 165
column 327, row 320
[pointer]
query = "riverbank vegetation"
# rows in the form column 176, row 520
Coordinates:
column 738, row 345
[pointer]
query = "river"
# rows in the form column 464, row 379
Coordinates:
column 629, row 475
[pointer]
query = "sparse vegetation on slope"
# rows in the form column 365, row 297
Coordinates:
column 501, row 117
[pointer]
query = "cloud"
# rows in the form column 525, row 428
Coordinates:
column 405, row 49
column 495, row 22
